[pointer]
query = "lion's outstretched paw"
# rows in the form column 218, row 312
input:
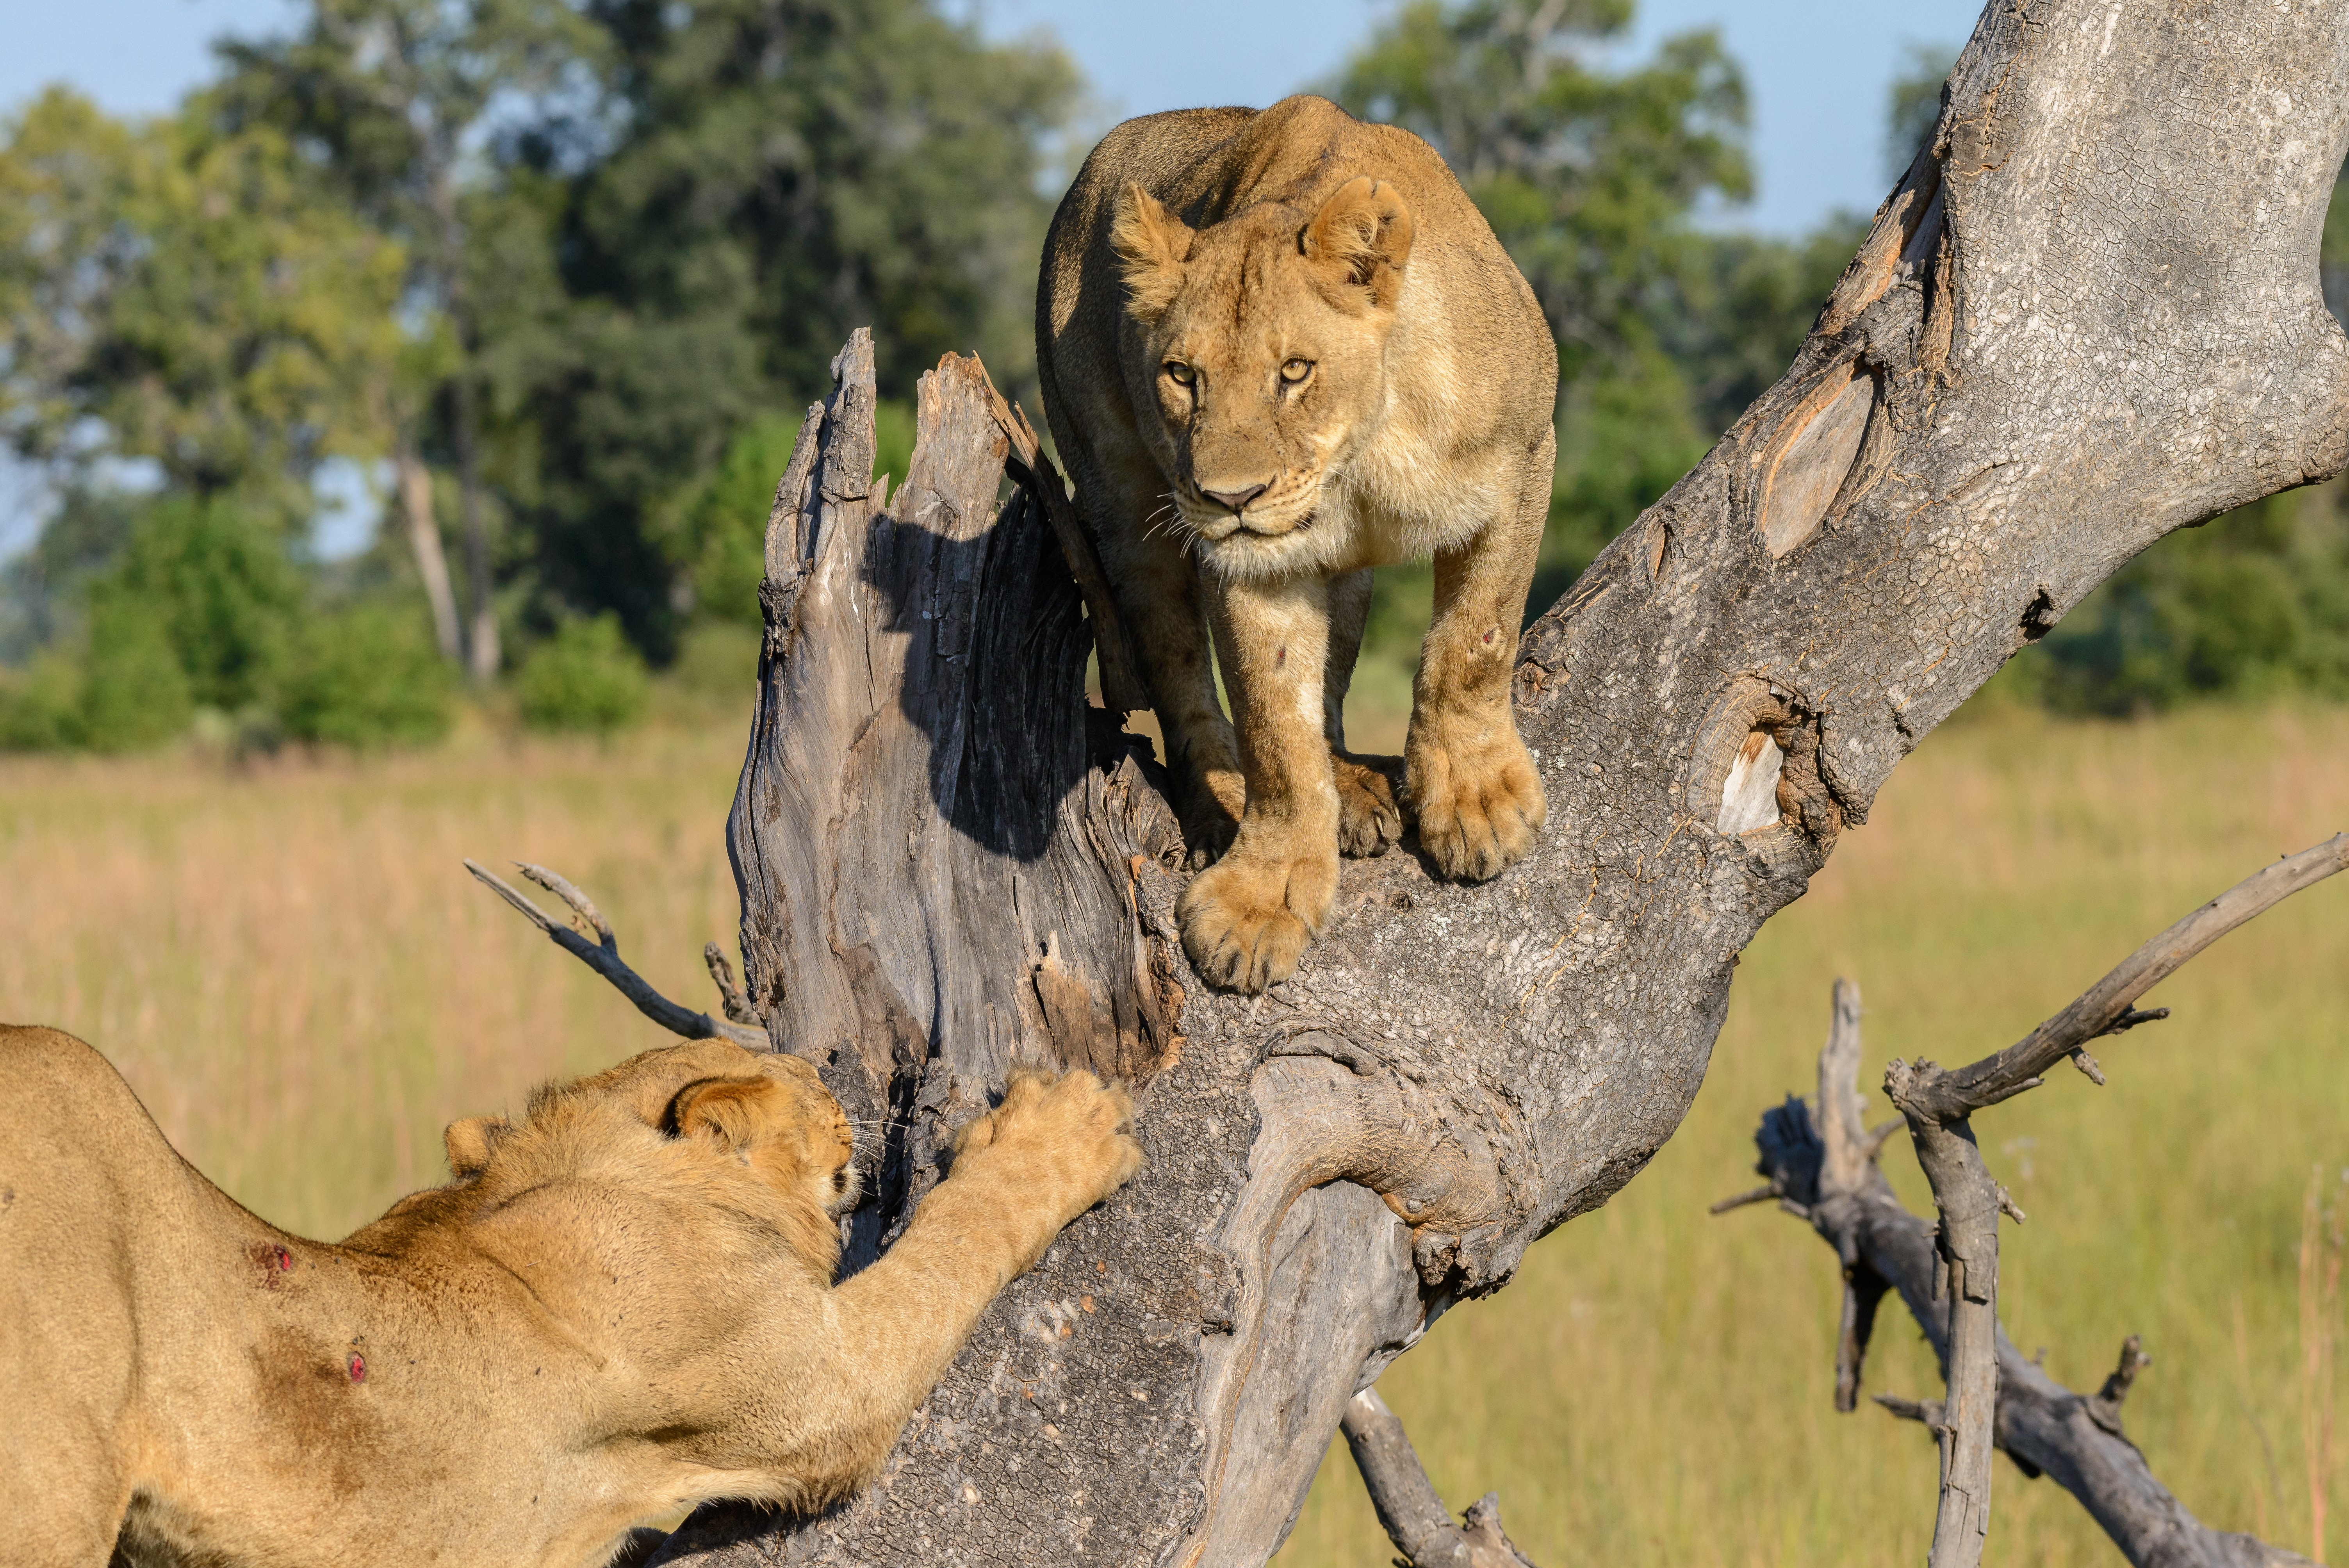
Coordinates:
column 1477, row 807
column 1068, row 1135
column 1369, row 821
column 1246, row 920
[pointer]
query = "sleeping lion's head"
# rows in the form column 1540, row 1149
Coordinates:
column 1264, row 337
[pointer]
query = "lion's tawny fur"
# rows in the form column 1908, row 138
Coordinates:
column 1279, row 349
column 622, row 1304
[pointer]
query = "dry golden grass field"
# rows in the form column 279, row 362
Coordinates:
column 294, row 971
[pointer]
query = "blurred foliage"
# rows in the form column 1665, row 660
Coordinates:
column 1912, row 104
column 206, row 621
column 756, row 178
column 188, row 298
column 219, row 589
column 368, row 677
column 2251, row 605
column 585, row 678
column 391, row 101
column 585, row 261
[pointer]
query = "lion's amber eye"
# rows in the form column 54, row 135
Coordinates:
column 1179, row 373
column 1296, row 370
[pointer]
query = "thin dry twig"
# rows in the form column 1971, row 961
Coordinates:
column 730, row 994
column 2106, row 1007
column 603, row 956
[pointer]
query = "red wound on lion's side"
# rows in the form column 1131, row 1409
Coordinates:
column 358, row 1368
column 285, row 1260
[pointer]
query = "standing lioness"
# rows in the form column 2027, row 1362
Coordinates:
column 1279, row 349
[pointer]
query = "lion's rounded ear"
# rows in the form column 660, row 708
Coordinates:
column 1152, row 243
column 470, row 1142
column 732, row 1113
column 1359, row 241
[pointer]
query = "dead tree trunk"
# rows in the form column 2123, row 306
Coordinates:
column 2088, row 315
column 1822, row 1167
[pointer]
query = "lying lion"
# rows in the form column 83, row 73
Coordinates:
column 623, row 1304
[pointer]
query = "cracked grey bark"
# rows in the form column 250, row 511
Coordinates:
column 2088, row 315
column 1822, row 1167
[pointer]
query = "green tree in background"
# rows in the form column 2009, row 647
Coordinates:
column 393, row 95
column 577, row 265
column 170, row 293
column 762, row 177
column 1912, row 105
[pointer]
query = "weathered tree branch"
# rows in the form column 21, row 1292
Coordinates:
column 1823, row 1167
column 1415, row 1516
column 2089, row 315
column 603, row 955
column 1938, row 1106
column 2106, row 1007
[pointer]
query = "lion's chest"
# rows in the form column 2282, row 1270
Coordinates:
column 1406, row 498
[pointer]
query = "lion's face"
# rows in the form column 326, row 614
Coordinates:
column 1264, row 338
column 767, row 1111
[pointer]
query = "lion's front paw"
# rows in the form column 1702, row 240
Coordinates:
column 1368, row 818
column 1477, row 807
column 1246, row 919
column 1066, row 1137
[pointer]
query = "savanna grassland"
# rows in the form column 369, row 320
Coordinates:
column 290, row 966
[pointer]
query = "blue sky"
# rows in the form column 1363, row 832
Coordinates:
column 1817, row 72
column 1817, row 69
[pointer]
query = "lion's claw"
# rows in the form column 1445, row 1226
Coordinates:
column 1369, row 821
column 1476, row 814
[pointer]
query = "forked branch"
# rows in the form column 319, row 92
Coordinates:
column 1938, row 1106
column 1409, row 1506
column 2106, row 1007
column 1823, row 1167
column 603, row 955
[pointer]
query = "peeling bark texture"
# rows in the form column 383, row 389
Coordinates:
column 1822, row 1167
column 2089, row 315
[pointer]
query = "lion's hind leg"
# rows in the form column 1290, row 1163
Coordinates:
column 1369, row 819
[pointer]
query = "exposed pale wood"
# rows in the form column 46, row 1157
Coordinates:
column 1822, row 1167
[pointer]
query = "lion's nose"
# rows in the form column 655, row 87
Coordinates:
column 1236, row 500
